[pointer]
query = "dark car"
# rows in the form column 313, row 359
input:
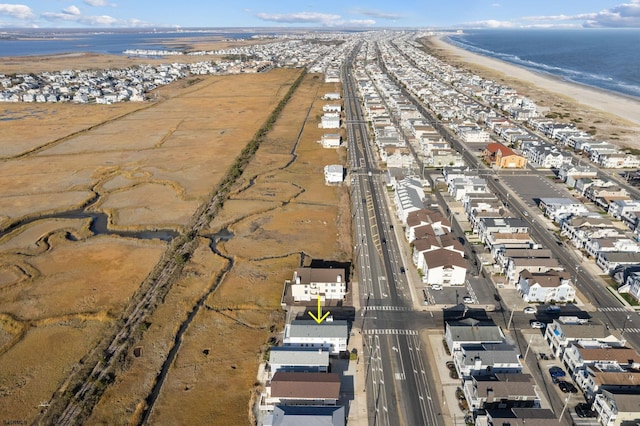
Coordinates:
column 402, row 270
column 556, row 372
column 584, row 410
column 567, row 387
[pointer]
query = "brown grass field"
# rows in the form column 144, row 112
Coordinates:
column 149, row 166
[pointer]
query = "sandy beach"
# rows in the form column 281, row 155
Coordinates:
column 625, row 108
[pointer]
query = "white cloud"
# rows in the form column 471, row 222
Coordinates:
column 490, row 23
column 71, row 10
column 299, row 18
column 72, row 14
column 317, row 18
column 626, row 15
column 18, row 11
column 376, row 13
column 96, row 3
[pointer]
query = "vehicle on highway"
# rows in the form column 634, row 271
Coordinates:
column 567, row 387
column 584, row 410
column 436, row 286
column 467, row 299
column 402, row 270
column 530, row 310
column 537, row 324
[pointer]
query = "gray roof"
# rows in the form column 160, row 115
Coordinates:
column 490, row 354
column 294, row 356
column 475, row 333
column 310, row 328
column 293, row 415
column 582, row 331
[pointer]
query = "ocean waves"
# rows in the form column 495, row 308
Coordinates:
column 608, row 61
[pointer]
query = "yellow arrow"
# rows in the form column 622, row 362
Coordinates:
column 320, row 317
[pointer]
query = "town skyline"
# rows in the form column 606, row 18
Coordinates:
column 329, row 14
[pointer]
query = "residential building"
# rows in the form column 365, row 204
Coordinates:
column 559, row 336
column 329, row 335
column 323, row 283
column 616, row 409
column 331, row 140
column 471, row 332
column 502, row 157
column 287, row 388
column 546, row 287
column 333, row 174
column 486, row 359
column 444, row 267
column 290, row 415
column 501, row 391
column 283, row 358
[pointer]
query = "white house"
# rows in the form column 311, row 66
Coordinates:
column 330, row 120
column 552, row 286
column 333, row 174
column 444, row 267
column 297, row 360
column 486, row 359
column 560, row 336
column 617, row 408
column 331, row 140
column 329, row 335
column 313, row 283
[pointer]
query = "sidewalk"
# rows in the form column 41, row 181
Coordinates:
column 357, row 409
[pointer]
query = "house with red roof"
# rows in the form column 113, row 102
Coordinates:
column 503, row 157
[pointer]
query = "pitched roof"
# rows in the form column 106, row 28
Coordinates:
column 286, row 384
column 549, row 279
column 320, row 275
column 445, row 258
column 504, row 150
column 417, row 217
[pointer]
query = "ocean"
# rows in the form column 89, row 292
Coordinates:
column 607, row 59
column 114, row 42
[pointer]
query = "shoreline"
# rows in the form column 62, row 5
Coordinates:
column 625, row 107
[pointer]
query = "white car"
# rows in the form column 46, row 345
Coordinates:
column 436, row 286
column 538, row 324
column 530, row 310
column 467, row 299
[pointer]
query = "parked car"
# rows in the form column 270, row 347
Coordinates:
column 584, row 410
column 402, row 270
column 436, row 286
column 537, row 324
column 556, row 371
column 467, row 299
column 530, row 310
column 567, row 387
column 553, row 308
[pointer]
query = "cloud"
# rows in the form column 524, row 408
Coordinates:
column 376, row 13
column 317, row 18
column 299, row 18
column 18, row 11
column 73, row 14
column 626, row 15
column 71, row 10
column 496, row 5
column 96, row 3
column 490, row 23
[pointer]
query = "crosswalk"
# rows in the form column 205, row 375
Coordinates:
column 630, row 330
column 386, row 308
column 613, row 309
column 400, row 332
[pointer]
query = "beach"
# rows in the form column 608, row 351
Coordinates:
column 622, row 111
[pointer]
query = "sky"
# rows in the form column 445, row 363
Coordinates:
column 322, row 13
